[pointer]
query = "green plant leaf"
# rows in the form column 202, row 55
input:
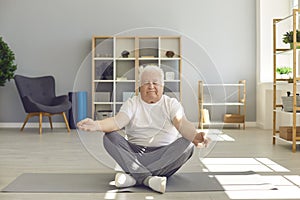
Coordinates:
column 288, row 37
column 7, row 60
column 284, row 70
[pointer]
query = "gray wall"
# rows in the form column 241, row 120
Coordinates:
column 54, row 37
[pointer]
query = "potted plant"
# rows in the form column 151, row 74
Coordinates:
column 284, row 72
column 7, row 65
column 288, row 38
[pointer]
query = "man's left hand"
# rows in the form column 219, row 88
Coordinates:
column 200, row 140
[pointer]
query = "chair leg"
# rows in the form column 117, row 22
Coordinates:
column 26, row 120
column 50, row 121
column 66, row 121
column 40, row 121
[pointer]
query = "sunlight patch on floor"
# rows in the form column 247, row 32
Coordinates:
column 254, row 186
column 111, row 194
column 282, row 192
column 217, row 135
column 294, row 178
column 244, row 182
column 242, row 164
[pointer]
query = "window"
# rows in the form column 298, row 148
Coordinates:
column 293, row 4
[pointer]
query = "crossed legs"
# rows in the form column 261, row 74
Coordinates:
column 144, row 162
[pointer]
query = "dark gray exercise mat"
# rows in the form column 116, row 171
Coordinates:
column 100, row 183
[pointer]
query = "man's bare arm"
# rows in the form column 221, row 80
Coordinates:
column 188, row 131
column 106, row 125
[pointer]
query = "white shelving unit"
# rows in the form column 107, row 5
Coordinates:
column 240, row 102
column 115, row 77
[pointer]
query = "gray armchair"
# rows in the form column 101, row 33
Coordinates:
column 38, row 97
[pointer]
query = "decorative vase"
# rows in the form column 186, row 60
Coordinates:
column 170, row 54
column 125, row 54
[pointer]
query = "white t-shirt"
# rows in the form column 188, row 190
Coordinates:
column 151, row 124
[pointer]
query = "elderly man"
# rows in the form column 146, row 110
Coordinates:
column 159, row 138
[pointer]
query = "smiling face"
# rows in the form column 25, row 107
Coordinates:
column 151, row 88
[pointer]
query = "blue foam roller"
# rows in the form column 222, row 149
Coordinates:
column 78, row 110
column 81, row 105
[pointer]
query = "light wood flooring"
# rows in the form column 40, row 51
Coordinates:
column 60, row 152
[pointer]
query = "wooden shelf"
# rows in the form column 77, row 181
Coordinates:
column 222, row 123
column 108, row 58
column 224, row 104
column 278, row 82
column 284, row 140
column 240, row 102
column 224, row 84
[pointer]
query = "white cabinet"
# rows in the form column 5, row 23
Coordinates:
column 115, row 64
column 225, row 102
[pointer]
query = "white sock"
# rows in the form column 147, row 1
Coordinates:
column 146, row 181
column 124, row 180
column 156, row 183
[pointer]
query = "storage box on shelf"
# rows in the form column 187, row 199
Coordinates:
column 287, row 103
column 115, row 64
column 234, row 118
column 102, row 114
column 286, row 132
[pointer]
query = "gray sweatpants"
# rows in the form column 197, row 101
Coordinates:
column 141, row 162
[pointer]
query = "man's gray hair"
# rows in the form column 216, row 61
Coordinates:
column 150, row 68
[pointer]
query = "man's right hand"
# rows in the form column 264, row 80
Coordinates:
column 88, row 124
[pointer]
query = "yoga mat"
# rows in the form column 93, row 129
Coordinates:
column 100, row 183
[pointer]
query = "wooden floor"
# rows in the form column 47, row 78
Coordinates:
column 62, row 152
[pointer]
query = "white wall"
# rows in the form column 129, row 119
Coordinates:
column 267, row 10
column 54, row 37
